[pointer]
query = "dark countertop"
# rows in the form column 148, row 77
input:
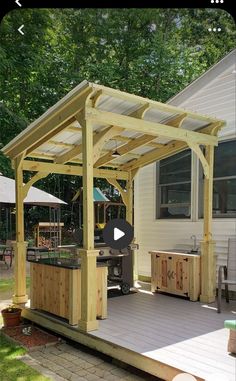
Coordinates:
column 66, row 263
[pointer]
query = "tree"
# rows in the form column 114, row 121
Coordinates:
column 154, row 53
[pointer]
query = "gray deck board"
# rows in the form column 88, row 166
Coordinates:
column 183, row 334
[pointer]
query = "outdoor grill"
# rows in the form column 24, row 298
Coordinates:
column 119, row 262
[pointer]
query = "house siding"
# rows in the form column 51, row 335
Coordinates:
column 216, row 98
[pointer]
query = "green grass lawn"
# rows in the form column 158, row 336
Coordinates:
column 7, row 284
column 11, row 368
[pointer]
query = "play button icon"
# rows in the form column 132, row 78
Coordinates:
column 118, row 233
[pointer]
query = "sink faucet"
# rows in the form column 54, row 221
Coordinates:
column 194, row 243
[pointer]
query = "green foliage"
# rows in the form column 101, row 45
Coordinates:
column 11, row 368
column 7, row 285
column 154, row 53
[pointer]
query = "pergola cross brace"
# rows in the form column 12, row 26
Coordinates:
column 201, row 157
column 38, row 176
column 115, row 183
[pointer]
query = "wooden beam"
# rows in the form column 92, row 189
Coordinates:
column 126, row 139
column 49, row 124
column 208, row 195
column 123, row 150
column 95, row 99
column 76, row 196
column 139, row 113
column 38, row 176
column 115, row 184
column 64, row 158
column 154, row 155
column 134, row 173
column 195, row 147
column 74, row 170
column 158, row 154
column 208, row 261
column 48, row 157
column 153, row 104
column 20, row 295
column 60, row 144
column 88, row 320
column 176, row 121
column 87, row 146
column 48, row 136
column 129, row 205
column 99, row 139
column 212, row 128
column 74, row 129
column 129, row 218
column 156, row 129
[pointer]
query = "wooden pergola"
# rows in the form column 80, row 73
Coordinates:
column 78, row 136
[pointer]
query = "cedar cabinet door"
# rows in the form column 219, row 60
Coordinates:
column 162, row 272
column 180, row 275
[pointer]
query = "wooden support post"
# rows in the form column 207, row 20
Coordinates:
column 88, row 320
column 208, row 262
column 129, row 218
column 19, row 296
column 75, row 296
column 129, row 198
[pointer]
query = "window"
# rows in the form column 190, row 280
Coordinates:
column 224, row 185
column 174, row 186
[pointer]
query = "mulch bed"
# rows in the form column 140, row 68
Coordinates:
column 38, row 338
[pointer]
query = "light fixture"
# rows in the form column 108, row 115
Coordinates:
column 115, row 153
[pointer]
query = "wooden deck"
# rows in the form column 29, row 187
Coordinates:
column 161, row 334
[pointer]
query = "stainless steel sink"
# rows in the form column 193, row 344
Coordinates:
column 184, row 251
column 187, row 251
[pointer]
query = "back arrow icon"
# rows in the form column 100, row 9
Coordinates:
column 18, row 3
column 20, row 29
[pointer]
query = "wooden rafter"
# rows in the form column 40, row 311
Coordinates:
column 140, row 141
column 156, row 129
column 124, row 149
column 176, row 121
column 154, row 155
column 126, row 139
column 60, row 144
column 49, row 136
column 74, row 129
column 50, row 157
column 139, row 113
column 102, row 138
column 213, row 128
column 46, row 127
column 98, row 138
column 96, row 97
column 158, row 154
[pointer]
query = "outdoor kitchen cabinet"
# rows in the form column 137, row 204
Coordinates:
column 57, row 289
column 176, row 273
